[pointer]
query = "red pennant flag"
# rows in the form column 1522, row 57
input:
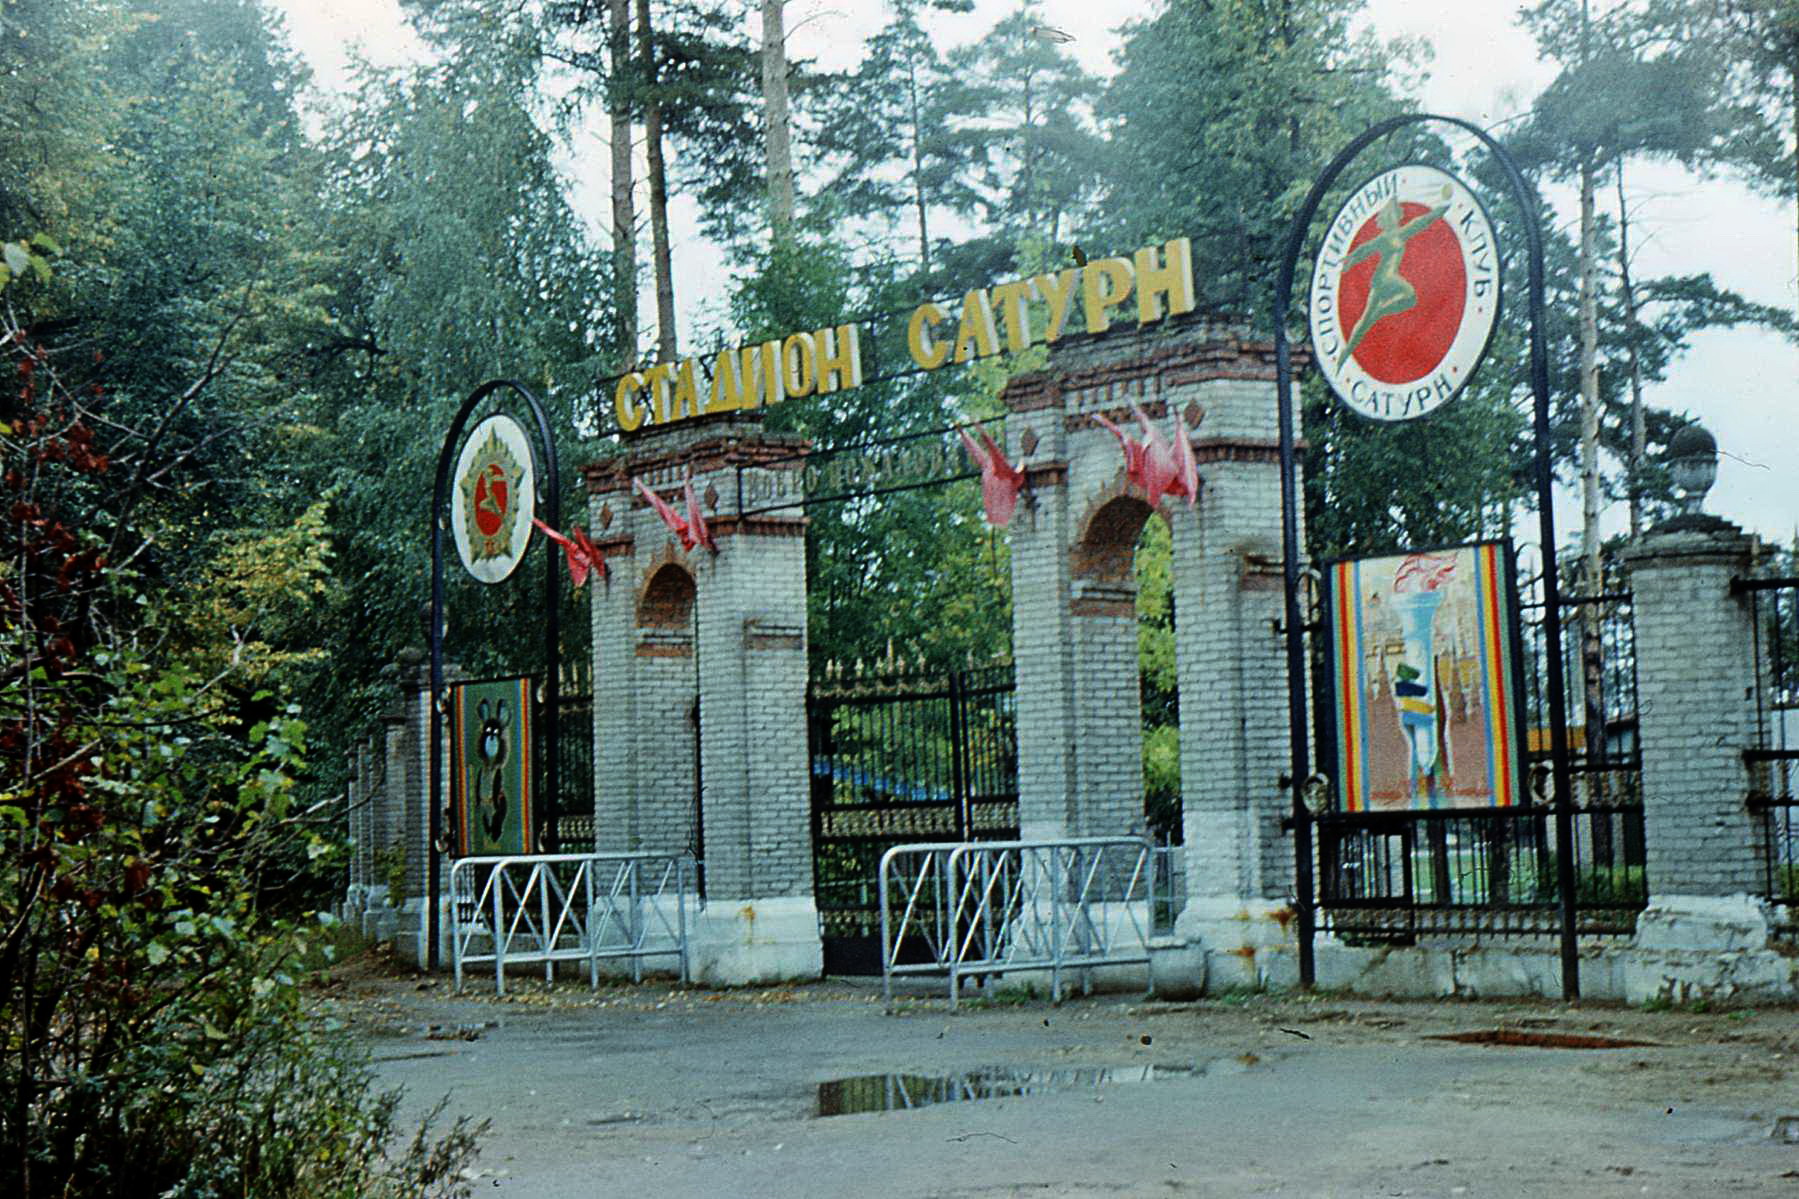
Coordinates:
column 1159, row 467
column 696, row 521
column 1000, row 480
column 1133, row 452
column 676, row 525
column 1186, row 467
column 583, row 554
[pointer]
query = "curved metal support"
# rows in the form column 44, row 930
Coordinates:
column 1296, row 674
column 551, row 486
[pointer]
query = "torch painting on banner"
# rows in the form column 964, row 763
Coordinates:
column 490, row 764
column 1425, row 679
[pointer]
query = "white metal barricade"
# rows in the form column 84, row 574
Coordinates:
column 570, row 907
column 993, row 907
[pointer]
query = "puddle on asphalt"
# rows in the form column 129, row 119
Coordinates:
column 1540, row 1040
column 900, row 1092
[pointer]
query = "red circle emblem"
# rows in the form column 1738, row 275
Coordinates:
column 1405, row 293
column 1405, row 346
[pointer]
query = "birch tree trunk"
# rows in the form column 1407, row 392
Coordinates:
column 624, row 207
column 1639, row 428
column 777, row 123
column 1590, row 615
column 652, row 128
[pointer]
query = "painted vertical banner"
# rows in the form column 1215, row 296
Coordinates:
column 490, row 766
column 1426, row 681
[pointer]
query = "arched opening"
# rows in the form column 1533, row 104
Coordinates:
column 667, row 599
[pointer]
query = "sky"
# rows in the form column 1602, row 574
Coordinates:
column 1742, row 384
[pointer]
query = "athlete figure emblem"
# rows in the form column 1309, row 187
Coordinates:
column 1388, row 291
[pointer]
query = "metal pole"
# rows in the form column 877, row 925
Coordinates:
column 1552, row 620
column 498, row 881
column 552, row 636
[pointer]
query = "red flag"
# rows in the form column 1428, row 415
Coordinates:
column 583, row 555
column 669, row 517
column 696, row 522
column 1159, row 467
column 1133, row 452
column 1186, row 467
column 596, row 559
column 1000, row 480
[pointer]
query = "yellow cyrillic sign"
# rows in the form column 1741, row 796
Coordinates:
column 830, row 360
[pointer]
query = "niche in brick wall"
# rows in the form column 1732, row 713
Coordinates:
column 667, row 599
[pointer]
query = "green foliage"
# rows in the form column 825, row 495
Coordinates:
column 152, row 1039
column 1036, row 154
column 1220, row 117
column 898, row 140
column 1159, row 690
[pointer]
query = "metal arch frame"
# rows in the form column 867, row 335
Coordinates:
column 551, row 486
column 1297, row 715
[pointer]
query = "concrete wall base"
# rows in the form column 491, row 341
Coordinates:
column 742, row 942
column 1686, row 949
column 410, row 931
column 1242, row 944
column 1433, row 970
column 1713, row 948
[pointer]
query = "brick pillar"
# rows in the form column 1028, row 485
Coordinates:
column 1231, row 666
column 1695, row 711
column 730, row 627
column 1705, row 934
column 1108, row 718
column 1074, row 634
column 1042, row 621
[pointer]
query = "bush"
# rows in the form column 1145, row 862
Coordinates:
column 154, row 1039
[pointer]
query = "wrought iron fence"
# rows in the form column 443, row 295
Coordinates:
column 1399, row 875
column 1773, row 756
column 902, row 756
column 1390, row 876
column 574, row 831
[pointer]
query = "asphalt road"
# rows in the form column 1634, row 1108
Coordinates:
column 653, row 1091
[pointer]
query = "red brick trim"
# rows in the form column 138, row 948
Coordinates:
column 668, row 467
column 1238, row 449
column 759, row 526
column 1115, row 608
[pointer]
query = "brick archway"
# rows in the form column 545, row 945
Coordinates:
column 1074, row 626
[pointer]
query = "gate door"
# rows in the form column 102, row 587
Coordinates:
column 902, row 756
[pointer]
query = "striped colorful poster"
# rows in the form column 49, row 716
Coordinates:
column 490, row 766
column 1425, row 680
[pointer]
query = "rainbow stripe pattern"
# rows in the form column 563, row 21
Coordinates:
column 1485, row 722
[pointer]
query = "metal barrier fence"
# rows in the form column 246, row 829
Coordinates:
column 990, row 908
column 569, row 907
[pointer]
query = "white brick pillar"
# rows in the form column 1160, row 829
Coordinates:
column 1042, row 622
column 1695, row 711
column 1704, row 934
column 1074, row 626
column 728, row 628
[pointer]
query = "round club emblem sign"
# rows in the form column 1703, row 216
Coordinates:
column 494, row 500
column 1405, row 293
